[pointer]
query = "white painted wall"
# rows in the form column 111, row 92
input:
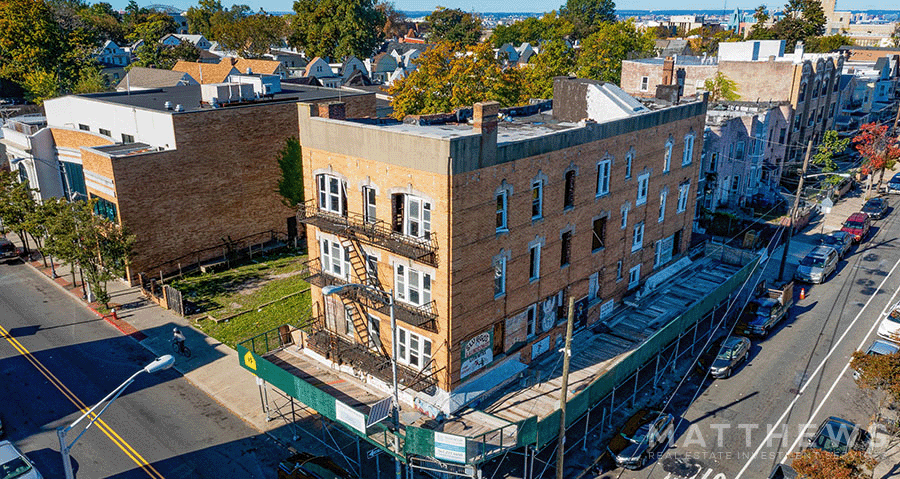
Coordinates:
column 147, row 126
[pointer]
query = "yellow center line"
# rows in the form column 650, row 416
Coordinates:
column 110, row 433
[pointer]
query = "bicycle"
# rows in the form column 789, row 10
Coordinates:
column 180, row 348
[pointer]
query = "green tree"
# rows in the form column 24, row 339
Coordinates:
column 602, row 52
column 556, row 59
column 252, row 36
column 336, row 28
column 30, row 39
column 803, row 19
column 827, row 44
column 720, row 88
column 533, row 30
column 588, row 15
column 41, row 85
column 290, row 185
column 830, row 145
column 90, row 80
column 396, row 24
column 200, row 17
column 453, row 25
column 16, row 204
column 895, row 37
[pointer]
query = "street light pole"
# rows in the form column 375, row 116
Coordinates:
column 790, row 231
column 330, row 290
column 160, row 363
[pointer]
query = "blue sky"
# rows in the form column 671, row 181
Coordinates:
column 532, row 5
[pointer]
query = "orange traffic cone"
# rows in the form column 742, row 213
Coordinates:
column 802, row 293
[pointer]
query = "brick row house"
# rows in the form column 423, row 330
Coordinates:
column 482, row 232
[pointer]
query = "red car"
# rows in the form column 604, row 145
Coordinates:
column 857, row 225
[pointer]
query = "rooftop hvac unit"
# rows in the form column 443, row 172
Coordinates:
column 179, row 107
column 168, row 105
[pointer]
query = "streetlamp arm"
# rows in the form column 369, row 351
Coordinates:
column 114, row 394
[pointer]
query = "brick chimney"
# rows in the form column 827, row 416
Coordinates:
column 334, row 110
column 484, row 116
column 668, row 71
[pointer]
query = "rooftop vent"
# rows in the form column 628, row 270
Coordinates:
column 179, row 107
column 249, row 71
column 168, row 105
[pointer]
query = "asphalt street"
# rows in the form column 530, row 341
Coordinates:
column 740, row 427
column 57, row 357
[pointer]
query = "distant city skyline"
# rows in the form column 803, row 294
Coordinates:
column 527, row 6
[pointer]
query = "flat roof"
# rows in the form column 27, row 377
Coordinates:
column 189, row 96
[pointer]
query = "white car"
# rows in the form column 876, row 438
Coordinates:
column 890, row 326
column 14, row 464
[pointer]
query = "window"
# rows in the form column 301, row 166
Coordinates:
column 802, row 95
column 637, row 238
column 662, row 205
column 411, row 215
column 335, row 259
column 348, row 320
column 565, row 252
column 739, row 151
column 537, row 199
column 629, row 159
column 127, row 138
column 619, row 270
column 598, row 238
column 105, row 209
column 332, row 194
column 643, row 183
column 688, row 155
column 499, row 266
column 713, row 158
column 667, row 163
column 624, row 216
column 645, row 83
column 603, row 177
column 782, row 135
column 412, row 286
column 815, row 92
column 83, row 127
column 369, row 204
column 797, row 120
column 501, row 211
column 634, row 277
column 824, row 88
column 104, row 132
column 735, row 182
column 534, row 266
column 569, row 194
column 531, row 320
column 372, row 268
column 414, row 350
column 663, row 251
column 683, row 191
column 811, row 118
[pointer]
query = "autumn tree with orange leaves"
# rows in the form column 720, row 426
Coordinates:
column 819, row 464
column 879, row 150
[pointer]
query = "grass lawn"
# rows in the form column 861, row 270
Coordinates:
column 247, row 288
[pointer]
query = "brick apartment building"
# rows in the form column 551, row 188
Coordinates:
column 484, row 231
column 184, row 168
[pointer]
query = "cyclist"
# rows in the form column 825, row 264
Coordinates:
column 178, row 339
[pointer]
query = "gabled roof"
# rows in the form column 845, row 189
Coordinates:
column 206, row 72
column 141, row 77
column 256, row 65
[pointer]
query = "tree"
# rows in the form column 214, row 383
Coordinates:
column 533, row 30
column 453, row 25
column 720, row 88
column 290, row 185
column 818, row 464
column 556, row 59
column 895, row 37
column 803, row 19
column 878, row 371
column 602, row 52
column 588, row 15
column 830, row 145
column 826, row 44
column 448, row 77
column 336, row 28
column 30, row 39
column 252, row 36
column 879, row 150
column 395, row 23
column 16, row 204
column 200, row 17
column 90, row 80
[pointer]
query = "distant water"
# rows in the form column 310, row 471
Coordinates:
column 632, row 13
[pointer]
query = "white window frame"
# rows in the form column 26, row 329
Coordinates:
column 498, row 266
column 604, row 168
column 645, row 83
column 624, row 223
column 371, row 266
column 337, row 265
column 409, row 282
column 619, row 276
column 374, row 333
column 629, row 160
column 329, row 200
column 634, row 277
column 683, row 192
column 688, row 155
column 411, row 348
column 534, row 262
column 667, row 161
column 662, row 205
column 349, row 327
column 369, row 203
column 531, row 321
column 423, row 222
column 637, row 237
column 643, row 187
column 501, row 200
column 537, row 198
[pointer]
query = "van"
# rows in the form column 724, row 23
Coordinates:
column 818, row 265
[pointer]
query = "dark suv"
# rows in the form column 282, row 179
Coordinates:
column 7, row 249
column 839, row 436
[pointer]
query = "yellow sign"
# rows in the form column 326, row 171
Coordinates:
column 249, row 361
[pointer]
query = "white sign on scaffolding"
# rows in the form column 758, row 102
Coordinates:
column 350, row 416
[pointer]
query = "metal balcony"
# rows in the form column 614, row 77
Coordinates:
column 376, row 233
column 424, row 317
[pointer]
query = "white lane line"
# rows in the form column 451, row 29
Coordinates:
column 813, row 375
column 843, row 371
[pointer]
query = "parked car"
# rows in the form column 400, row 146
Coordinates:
column 879, row 347
column 818, row 265
column 7, row 249
column 14, row 464
column 858, row 225
column 306, row 466
column 876, row 208
column 838, row 436
column 890, row 326
column 734, row 351
column 783, row 471
column 643, row 435
column 763, row 313
column 841, row 241
column 893, row 186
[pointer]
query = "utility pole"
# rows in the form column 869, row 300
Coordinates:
column 567, row 353
column 790, row 231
